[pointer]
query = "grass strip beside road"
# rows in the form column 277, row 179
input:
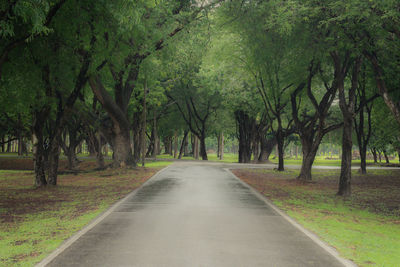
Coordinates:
column 364, row 228
column 34, row 222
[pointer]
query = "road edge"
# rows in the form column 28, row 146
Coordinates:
column 328, row 248
column 68, row 242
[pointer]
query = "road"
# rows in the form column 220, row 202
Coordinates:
column 194, row 214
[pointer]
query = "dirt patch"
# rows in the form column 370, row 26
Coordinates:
column 26, row 164
column 376, row 192
column 85, row 192
column 56, row 209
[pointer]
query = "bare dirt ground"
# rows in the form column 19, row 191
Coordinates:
column 33, row 221
column 378, row 191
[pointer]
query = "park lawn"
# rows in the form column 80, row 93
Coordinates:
column 364, row 228
column 228, row 157
column 34, row 222
column 320, row 161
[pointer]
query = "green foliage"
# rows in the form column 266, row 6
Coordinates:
column 30, row 13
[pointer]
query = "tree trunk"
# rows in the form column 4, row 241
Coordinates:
column 347, row 144
column 184, row 140
column 175, row 144
column 255, row 150
column 221, row 151
column 91, row 149
column 280, row 141
column 347, row 108
column 167, row 145
column 155, row 137
column 203, row 149
column 373, row 151
column 245, row 133
column 171, row 145
column 218, row 145
column 99, row 154
column 196, row 147
column 122, row 148
column 117, row 111
column 398, row 153
column 309, row 146
column 70, row 149
column 150, row 149
column 363, row 157
column 8, row 145
column 306, row 166
column 136, row 132
column 267, row 145
column 38, row 156
column 186, row 147
column 72, row 160
column 54, row 155
column 386, row 156
column 19, row 144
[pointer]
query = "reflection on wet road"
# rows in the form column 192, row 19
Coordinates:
column 194, row 215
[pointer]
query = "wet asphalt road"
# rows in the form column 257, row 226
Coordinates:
column 194, row 215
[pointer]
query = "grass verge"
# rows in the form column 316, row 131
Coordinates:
column 34, row 222
column 364, row 228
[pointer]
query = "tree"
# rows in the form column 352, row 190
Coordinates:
column 311, row 123
column 156, row 22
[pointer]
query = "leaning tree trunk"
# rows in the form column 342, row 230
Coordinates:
column 309, row 152
column 373, row 151
column 184, row 141
column 386, row 157
column 175, row 144
column 118, row 112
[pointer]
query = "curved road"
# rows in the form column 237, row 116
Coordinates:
column 193, row 214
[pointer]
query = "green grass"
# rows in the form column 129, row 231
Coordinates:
column 34, row 222
column 364, row 228
column 153, row 164
column 233, row 158
column 228, row 157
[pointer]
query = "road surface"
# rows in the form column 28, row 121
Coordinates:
column 194, row 214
